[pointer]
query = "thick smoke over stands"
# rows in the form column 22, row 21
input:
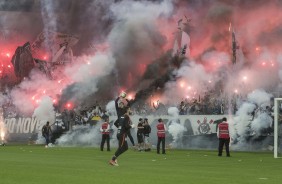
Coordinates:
column 128, row 46
column 139, row 35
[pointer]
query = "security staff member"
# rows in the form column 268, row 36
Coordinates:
column 124, row 126
column 161, row 128
column 105, row 130
column 223, row 136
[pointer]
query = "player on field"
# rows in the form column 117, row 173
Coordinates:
column 124, row 124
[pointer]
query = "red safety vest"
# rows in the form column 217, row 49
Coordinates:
column 161, row 129
column 104, row 128
column 223, row 130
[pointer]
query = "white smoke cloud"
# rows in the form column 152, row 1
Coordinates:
column 136, row 37
column 45, row 111
column 195, row 75
column 216, row 58
column 176, row 130
column 48, row 15
column 242, row 119
column 262, row 121
column 110, row 108
column 89, row 67
column 125, row 9
column 87, row 75
column 194, row 82
column 79, row 136
column 132, row 18
column 251, row 118
column 173, row 111
column 84, row 136
column 259, row 97
column 87, row 70
column 30, row 91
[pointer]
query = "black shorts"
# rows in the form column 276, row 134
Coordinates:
column 140, row 138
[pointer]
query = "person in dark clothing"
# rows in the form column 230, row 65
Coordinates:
column 124, row 125
column 146, row 132
column 140, row 135
column 182, row 108
column 66, row 119
column 46, row 132
column 223, row 136
column 120, row 103
column 105, row 130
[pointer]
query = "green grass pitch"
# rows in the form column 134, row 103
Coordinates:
column 34, row 164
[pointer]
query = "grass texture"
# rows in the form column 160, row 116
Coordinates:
column 34, row 164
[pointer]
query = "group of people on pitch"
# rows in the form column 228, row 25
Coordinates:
column 124, row 124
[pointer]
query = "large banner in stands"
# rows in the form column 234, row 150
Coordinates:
column 24, row 129
column 22, row 125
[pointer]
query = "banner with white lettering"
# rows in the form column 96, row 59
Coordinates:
column 23, row 129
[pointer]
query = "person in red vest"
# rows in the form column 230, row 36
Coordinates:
column 223, row 136
column 161, row 128
column 105, row 130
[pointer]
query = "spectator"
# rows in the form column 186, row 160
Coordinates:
column 66, row 118
column 140, row 135
column 46, row 133
column 147, row 131
column 182, row 108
